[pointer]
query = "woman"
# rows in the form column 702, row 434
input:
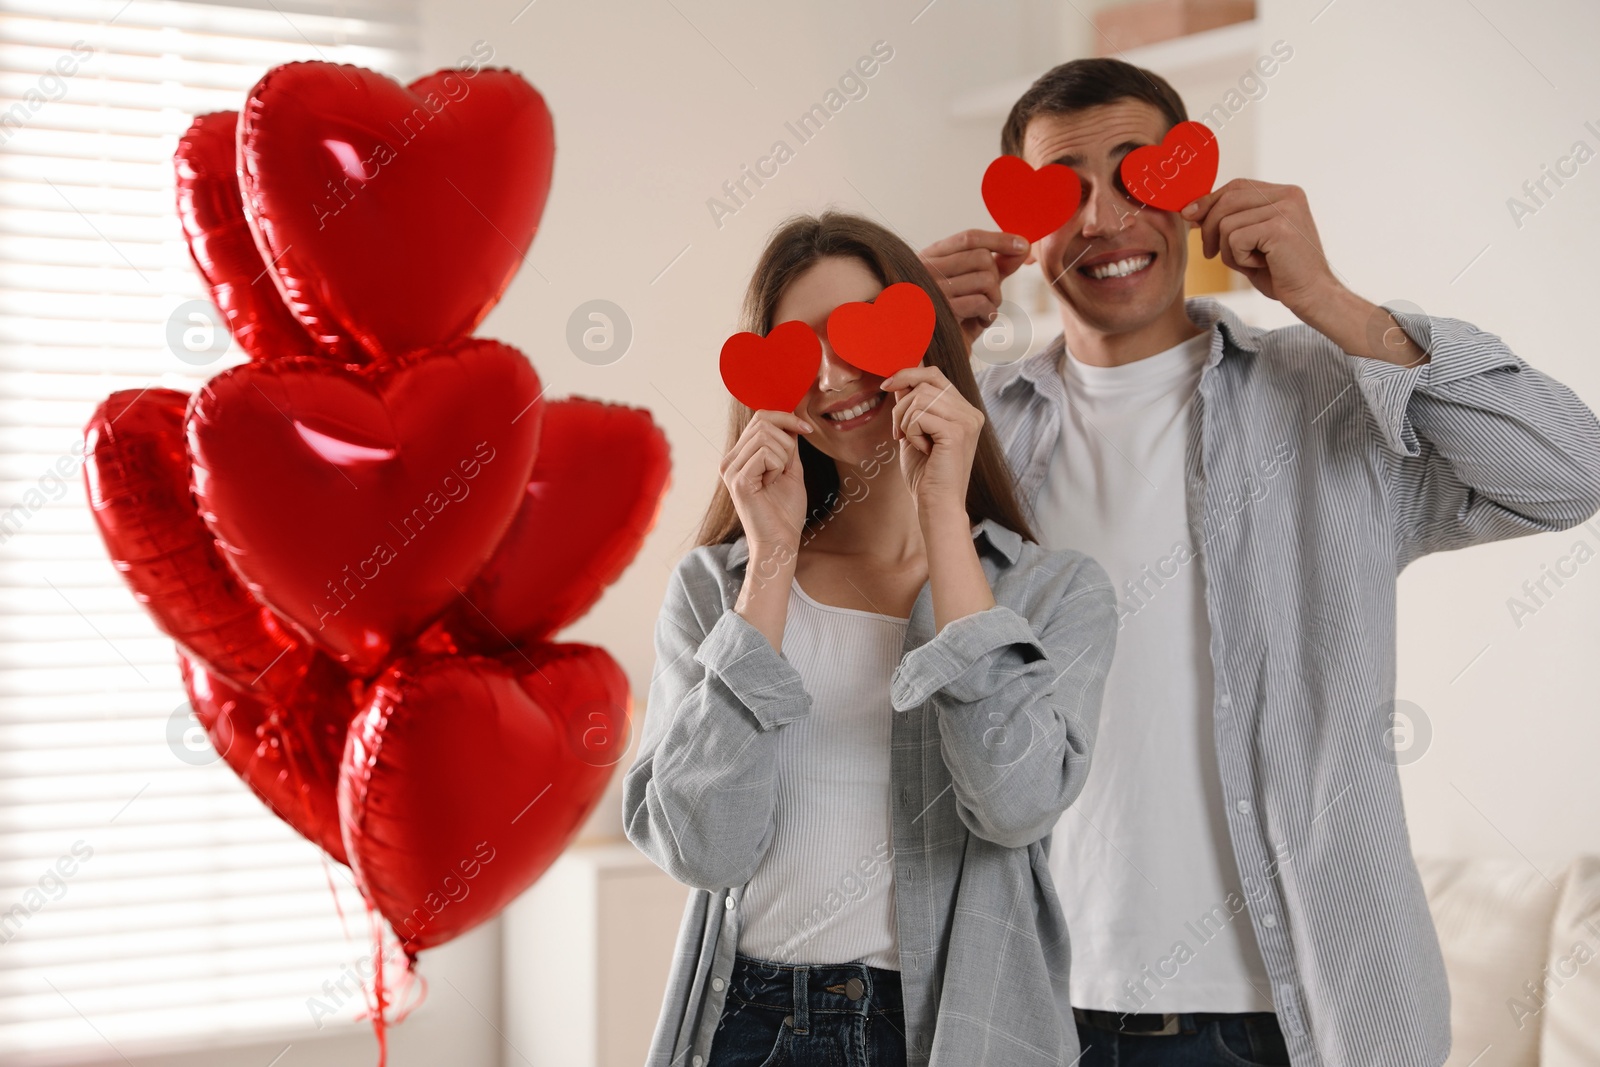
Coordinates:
column 873, row 697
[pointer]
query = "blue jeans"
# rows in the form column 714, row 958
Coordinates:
column 839, row 1015
column 1246, row 1040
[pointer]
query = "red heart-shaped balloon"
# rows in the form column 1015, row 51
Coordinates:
column 465, row 777
column 594, row 494
column 772, row 373
column 1176, row 172
column 888, row 334
column 359, row 503
column 288, row 754
column 394, row 214
column 136, row 470
column 1030, row 203
column 224, row 250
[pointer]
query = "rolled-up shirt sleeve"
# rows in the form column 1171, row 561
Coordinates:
column 700, row 796
column 1018, row 700
column 1476, row 444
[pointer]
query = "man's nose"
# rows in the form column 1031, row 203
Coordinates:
column 1104, row 213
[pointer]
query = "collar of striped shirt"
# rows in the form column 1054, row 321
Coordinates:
column 1225, row 326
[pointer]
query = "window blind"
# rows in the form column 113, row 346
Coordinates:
column 147, row 899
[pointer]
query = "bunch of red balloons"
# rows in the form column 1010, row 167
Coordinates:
column 364, row 540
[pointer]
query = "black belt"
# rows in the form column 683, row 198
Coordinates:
column 1153, row 1024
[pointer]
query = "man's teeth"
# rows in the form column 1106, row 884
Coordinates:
column 1118, row 269
column 860, row 409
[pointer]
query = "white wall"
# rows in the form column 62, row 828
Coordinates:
column 1409, row 125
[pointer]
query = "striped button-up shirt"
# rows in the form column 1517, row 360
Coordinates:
column 1313, row 477
column 994, row 718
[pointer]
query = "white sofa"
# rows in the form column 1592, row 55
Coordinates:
column 1523, row 953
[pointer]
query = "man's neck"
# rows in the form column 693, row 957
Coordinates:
column 1098, row 349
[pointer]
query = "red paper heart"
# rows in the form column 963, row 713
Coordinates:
column 888, row 334
column 466, row 777
column 594, row 494
column 1028, row 202
column 396, row 215
column 224, row 251
column 774, row 372
column 136, row 470
column 287, row 754
column 1175, row 173
column 359, row 504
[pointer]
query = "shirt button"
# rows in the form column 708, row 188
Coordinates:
column 905, row 796
column 1243, row 806
column 698, row 1060
column 717, row 984
column 1226, row 701
column 727, row 902
column 1269, row 920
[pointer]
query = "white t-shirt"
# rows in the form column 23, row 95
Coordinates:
column 1142, row 860
column 824, row 891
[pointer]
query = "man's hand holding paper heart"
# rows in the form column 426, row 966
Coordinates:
column 1265, row 232
column 970, row 266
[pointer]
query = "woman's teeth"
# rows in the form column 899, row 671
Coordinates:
column 1118, row 269
column 860, row 409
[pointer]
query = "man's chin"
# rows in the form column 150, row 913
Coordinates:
column 1112, row 315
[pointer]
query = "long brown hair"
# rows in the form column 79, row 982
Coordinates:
column 793, row 249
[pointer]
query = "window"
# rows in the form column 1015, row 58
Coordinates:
column 144, row 899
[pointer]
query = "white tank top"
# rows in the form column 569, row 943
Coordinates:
column 824, row 891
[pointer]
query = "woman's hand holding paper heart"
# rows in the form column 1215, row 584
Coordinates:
column 767, row 483
column 938, row 434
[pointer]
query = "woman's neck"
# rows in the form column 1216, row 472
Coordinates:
column 878, row 524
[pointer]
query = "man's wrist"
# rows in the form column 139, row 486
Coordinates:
column 1360, row 327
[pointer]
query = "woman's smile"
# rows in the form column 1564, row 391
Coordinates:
column 857, row 412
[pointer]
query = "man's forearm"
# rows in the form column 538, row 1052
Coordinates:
column 1361, row 328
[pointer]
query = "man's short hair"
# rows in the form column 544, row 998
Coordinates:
column 1085, row 83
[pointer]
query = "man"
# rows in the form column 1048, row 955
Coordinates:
column 1237, row 875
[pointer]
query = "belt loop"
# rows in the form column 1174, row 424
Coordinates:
column 802, row 999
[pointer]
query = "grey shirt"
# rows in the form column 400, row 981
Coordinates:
column 1313, row 477
column 993, row 721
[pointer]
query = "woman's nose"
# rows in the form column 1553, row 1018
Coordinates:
column 835, row 374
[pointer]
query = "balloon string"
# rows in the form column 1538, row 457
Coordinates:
column 333, row 891
column 377, row 1002
column 412, row 980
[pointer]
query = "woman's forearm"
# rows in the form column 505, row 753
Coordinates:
column 960, row 587
column 764, row 597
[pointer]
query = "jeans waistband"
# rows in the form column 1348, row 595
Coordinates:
column 807, row 989
column 1158, row 1024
